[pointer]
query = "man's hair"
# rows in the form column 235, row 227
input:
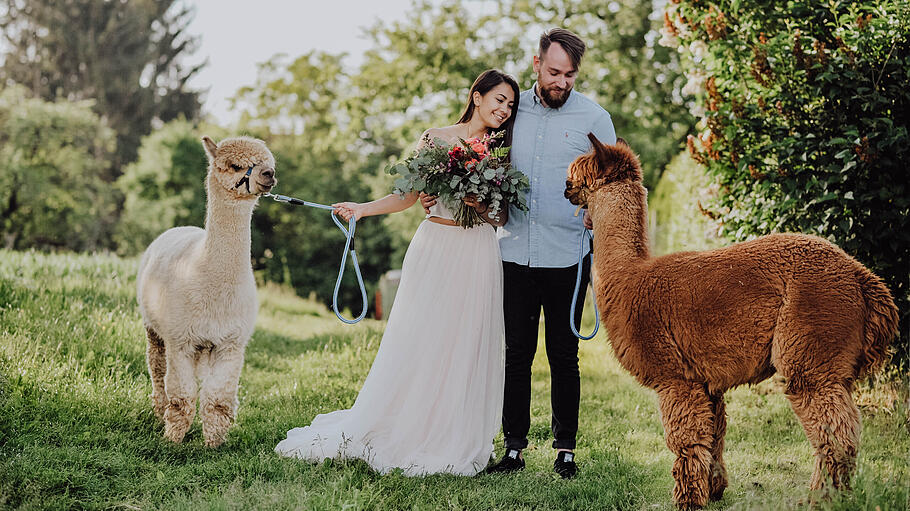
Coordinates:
column 571, row 43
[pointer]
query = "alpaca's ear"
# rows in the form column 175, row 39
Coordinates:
column 599, row 149
column 622, row 142
column 211, row 148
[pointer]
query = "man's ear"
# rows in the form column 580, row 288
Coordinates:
column 211, row 148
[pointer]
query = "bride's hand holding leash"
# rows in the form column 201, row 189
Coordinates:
column 351, row 208
column 348, row 210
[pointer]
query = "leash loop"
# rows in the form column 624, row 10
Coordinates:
column 581, row 258
column 348, row 248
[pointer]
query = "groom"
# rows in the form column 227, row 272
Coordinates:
column 540, row 248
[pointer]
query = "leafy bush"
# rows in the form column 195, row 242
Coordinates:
column 53, row 155
column 164, row 187
column 805, row 107
column 677, row 221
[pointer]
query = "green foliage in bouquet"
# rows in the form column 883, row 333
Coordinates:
column 468, row 168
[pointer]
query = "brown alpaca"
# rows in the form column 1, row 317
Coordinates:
column 691, row 325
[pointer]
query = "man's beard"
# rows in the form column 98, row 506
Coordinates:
column 552, row 98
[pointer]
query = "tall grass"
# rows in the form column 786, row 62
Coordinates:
column 77, row 428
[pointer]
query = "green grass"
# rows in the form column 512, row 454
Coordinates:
column 77, row 429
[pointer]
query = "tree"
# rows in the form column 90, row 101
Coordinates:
column 165, row 186
column 300, row 108
column 420, row 69
column 806, row 107
column 52, row 157
column 126, row 56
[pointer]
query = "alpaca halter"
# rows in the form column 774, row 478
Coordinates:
column 348, row 247
column 581, row 258
column 245, row 179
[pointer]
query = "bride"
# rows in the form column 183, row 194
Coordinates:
column 432, row 401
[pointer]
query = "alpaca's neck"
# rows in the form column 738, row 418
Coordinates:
column 227, row 229
column 619, row 212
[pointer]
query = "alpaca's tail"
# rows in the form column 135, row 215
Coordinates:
column 881, row 323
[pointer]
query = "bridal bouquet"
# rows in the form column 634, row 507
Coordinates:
column 470, row 167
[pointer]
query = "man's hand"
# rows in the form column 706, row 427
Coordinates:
column 589, row 224
column 427, row 201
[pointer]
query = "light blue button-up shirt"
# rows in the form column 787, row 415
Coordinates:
column 544, row 142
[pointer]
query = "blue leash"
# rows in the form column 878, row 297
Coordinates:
column 348, row 247
column 581, row 258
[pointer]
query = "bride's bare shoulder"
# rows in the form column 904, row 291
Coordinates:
column 447, row 133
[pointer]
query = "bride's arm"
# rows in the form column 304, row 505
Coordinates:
column 391, row 203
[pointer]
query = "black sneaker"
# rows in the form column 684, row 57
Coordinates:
column 565, row 465
column 511, row 462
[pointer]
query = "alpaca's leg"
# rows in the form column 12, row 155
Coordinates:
column 689, row 428
column 831, row 421
column 218, row 397
column 718, row 479
column 157, row 364
column 180, row 385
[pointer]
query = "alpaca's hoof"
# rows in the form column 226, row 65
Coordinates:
column 691, row 499
column 717, row 493
column 717, row 485
column 217, row 418
column 159, row 405
column 175, row 432
column 178, row 415
column 215, row 441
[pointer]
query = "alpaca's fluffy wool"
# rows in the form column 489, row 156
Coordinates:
column 692, row 325
column 197, row 296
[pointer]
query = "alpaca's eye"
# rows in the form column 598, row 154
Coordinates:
column 236, row 167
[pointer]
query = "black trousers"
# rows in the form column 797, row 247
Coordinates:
column 525, row 291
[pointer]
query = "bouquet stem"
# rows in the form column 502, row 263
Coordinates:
column 467, row 217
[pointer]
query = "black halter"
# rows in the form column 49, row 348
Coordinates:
column 245, row 179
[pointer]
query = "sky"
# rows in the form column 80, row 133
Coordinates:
column 236, row 35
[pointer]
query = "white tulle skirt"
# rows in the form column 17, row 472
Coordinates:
column 432, row 401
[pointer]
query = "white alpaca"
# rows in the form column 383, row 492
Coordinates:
column 197, row 295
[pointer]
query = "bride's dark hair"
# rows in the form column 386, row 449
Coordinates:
column 486, row 81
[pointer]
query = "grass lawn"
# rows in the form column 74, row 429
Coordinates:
column 77, row 428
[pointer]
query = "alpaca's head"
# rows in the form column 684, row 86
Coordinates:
column 244, row 166
column 602, row 165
